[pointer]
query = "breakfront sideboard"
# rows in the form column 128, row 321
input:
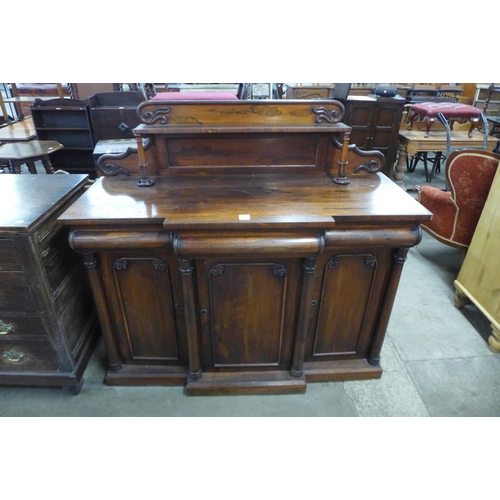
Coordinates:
column 252, row 251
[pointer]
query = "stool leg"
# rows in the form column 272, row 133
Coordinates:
column 31, row 166
column 428, row 124
column 474, row 123
column 14, row 167
column 47, row 164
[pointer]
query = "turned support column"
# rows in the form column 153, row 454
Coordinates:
column 306, row 294
column 341, row 178
column 186, row 269
column 400, row 167
column 91, row 263
column 398, row 260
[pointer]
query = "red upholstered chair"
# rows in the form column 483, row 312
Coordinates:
column 469, row 174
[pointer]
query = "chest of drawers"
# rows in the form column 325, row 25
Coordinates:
column 48, row 325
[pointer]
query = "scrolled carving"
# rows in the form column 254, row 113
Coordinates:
column 279, row 270
column 120, row 264
column 371, row 260
column 158, row 115
column 159, row 265
column 334, row 262
column 372, row 166
column 327, row 115
column 217, row 270
column 111, row 169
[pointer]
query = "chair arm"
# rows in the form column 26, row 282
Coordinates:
column 443, row 208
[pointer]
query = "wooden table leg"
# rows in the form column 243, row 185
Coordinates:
column 31, row 166
column 14, row 167
column 47, row 164
column 400, row 166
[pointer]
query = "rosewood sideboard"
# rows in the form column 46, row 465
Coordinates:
column 251, row 251
column 48, row 321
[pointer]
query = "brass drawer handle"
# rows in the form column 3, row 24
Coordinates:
column 14, row 355
column 5, row 328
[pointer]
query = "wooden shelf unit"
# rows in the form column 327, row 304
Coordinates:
column 67, row 121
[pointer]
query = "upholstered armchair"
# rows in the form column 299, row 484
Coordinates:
column 469, row 175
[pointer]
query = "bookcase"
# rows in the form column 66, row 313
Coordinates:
column 67, row 121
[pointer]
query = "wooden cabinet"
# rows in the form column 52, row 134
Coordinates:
column 375, row 125
column 480, row 272
column 48, row 324
column 245, row 264
column 68, row 122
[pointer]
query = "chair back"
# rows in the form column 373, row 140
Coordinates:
column 469, row 174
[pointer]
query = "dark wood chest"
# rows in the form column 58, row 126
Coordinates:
column 48, row 324
column 375, row 125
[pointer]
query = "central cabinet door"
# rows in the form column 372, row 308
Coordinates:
column 247, row 313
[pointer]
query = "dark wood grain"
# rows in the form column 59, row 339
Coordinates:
column 243, row 267
column 48, row 326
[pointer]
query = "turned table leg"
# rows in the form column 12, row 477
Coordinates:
column 400, row 166
column 47, row 165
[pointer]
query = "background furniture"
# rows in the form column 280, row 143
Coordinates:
column 19, row 153
column 68, row 122
column 301, row 91
column 48, row 325
column 375, row 125
column 244, row 267
column 410, row 142
column 469, row 175
column 113, row 115
column 22, row 95
column 480, row 272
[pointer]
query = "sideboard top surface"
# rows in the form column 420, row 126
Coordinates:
column 27, row 200
column 243, row 201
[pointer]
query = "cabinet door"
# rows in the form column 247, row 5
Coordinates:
column 145, row 296
column 359, row 117
column 248, row 313
column 385, row 124
column 348, row 292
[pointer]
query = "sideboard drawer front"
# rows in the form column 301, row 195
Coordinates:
column 35, row 355
column 15, row 293
column 14, row 327
column 9, row 259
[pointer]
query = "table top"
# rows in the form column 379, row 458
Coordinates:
column 272, row 201
column 415, row 141
column 23, row 130
column 27, row 200
column 28, row 149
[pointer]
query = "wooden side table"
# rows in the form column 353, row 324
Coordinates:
column 17, row 153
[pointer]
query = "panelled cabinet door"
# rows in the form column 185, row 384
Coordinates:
column 386, row 115
column 348, row 292
column 360, row 118
column 146, row 302
column 247, row 313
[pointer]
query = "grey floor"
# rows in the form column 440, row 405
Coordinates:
column 436, row 363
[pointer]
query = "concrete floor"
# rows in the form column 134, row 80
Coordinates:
column 436, row 363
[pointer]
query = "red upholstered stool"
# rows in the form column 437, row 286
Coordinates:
column 196, row 96
column 451, row 111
